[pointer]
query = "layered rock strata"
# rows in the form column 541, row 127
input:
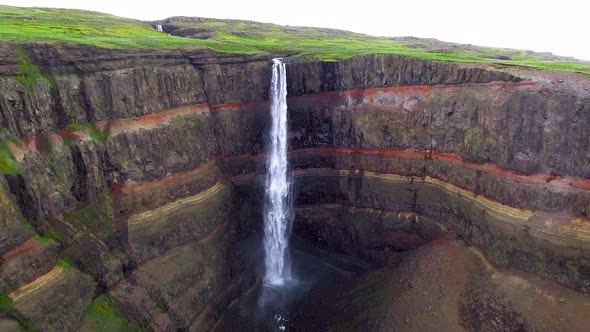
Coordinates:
column 124, row 163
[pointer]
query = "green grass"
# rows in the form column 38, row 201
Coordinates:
column 63, row 263
column 96, row 135
column 8, row 164
column 75, row 27
column 105, row 315
column 567, row 66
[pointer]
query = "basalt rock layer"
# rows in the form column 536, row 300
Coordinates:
column 125, row 164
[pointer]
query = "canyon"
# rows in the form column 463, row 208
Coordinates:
column 132, row 176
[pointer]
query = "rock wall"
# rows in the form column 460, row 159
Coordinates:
column 523, row 127
column 114, row 175
column 124, row 163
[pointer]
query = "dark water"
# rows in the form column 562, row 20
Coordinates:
column 308, row 303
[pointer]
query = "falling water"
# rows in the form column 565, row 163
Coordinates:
column 277, row 216
column 159, row 28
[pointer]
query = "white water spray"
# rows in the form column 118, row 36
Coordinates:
column 277, row 214
column 159, row 28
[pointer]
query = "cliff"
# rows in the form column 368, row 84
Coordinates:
column 121, row 164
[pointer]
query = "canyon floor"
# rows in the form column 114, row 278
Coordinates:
column 444, row 285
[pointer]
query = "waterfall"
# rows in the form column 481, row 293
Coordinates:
column 159, row 27
column 277, row 213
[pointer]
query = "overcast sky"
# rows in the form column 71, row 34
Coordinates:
column 559, row 26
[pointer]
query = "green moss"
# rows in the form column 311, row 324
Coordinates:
column 24, row 324
column 105, row 315
column 180, row 121
column 52, row 232
column 80, row 127
column 8, row 164
column 96, row 135
column 27, row 226
column 96, row 217
column 162, row 305
column 68, row 142
column 6, row 310
column 93, row 215
column 63, row 263
column 100, row 137
column 5, row 302
column 113, row 254
column 29, row 74
column 38, row 238
column 42, row 239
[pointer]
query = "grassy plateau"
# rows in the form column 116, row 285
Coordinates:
column 93, row 29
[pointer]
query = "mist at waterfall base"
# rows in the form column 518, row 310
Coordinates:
column 318, row 278
column 293, row 279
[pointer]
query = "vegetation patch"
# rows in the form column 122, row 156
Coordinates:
column 180, row 121
column 100, row 137
column 96, row 217
column 162, row 305
column 115, row 253
column 27, row 226
column 63, row 263
column 29, row 74
column 5, row 133
column 78, row 27
column 96, row 135
column 93, row 29
column 105, row 315
column 42, row 239
column 6, row 310
column 52, row 232
column 5, row 302
column 93, row 215
column 8, row 164
column 38, row 238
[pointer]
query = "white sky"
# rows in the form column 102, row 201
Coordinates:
column 559, row 26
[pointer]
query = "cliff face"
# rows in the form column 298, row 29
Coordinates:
column 125, row 164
